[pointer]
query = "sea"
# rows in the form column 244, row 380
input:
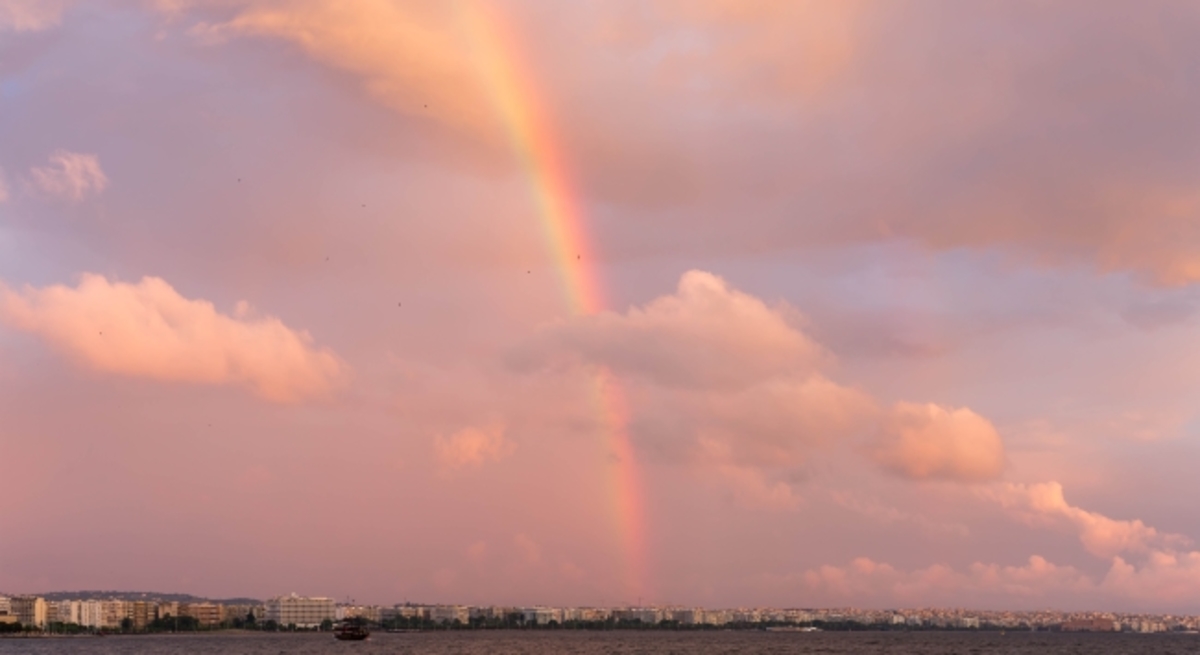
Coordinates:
column 513, row 642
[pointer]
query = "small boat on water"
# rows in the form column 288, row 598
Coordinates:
column 351, row 630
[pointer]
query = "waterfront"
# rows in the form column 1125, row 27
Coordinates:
column 614, row 643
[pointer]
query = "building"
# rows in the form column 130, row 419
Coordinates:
column 369, row 613
column 449, row 614
column 141, row 612
column 29, row 610
column 647, row 615
column 300, row 611
column 688, row 616
column 91, row 613
column 208, row 615
column 114, row 611
column 64, row 611
column 412, row 611
column 232, row 614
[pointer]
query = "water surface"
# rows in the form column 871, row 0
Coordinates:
column 614, row 643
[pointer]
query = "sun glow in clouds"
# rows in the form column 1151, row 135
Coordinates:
column 535, row 145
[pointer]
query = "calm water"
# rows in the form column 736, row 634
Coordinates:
column 613, row 643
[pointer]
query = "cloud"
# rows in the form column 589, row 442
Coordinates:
column 1162, row 579
column 30, row 15
column 3, row 187
column 706, row 335
column 1065, row 153
column 1102, row 536
column 864, row 578
column 872, row 509
column 477, row 552
column 472, row 447
column 413, row 56
column 149, row 330
column 748, row 485
column 70, row 175
column 529, row 549
column 733, row 387
column 930, row 442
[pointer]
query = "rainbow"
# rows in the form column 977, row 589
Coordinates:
column 562, row 220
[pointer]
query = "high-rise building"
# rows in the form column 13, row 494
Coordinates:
column 30, row 610
column 300, row 611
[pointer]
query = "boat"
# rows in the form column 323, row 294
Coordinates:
column 351, row 630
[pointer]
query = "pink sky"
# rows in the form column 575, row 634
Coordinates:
column 899, row 301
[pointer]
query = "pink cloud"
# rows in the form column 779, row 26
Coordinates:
column 70, row 175
column 413, row 57
column 749, row 485
column 1164, row 578
column 472, row 447
column 30, row 15
column 865, row 578
column 529, row 549
column 1102, row 536
column 705, row 335
column 764, row 101
column 149, row 330
column 732, row 386
column 931, row 442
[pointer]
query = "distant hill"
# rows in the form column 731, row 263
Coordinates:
column 145, row 595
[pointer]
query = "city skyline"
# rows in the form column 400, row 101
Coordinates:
column 153, row 612
column 693, row 302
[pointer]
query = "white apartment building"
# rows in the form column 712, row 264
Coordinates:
column 91, row 613
column 367, row 612
column 63, row 611
column 449, row 613
column 300, row 611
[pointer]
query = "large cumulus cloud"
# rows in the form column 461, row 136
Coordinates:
column 722, row 380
